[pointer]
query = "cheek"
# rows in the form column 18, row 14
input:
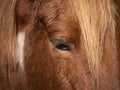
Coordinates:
column 38, row 63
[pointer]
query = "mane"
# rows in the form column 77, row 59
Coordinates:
column 95, row 17
column 7, row 44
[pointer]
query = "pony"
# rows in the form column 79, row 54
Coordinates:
column 59, row 45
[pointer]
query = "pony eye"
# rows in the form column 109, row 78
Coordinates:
column 61, row 45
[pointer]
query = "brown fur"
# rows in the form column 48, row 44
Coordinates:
column 45, row 67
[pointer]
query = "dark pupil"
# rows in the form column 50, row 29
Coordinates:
column 63, row 47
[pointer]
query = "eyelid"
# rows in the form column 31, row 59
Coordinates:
column 58, row 41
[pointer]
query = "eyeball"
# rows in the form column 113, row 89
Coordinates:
column 60, row 44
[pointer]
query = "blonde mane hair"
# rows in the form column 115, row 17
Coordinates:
column 95, row 18
column 7, row 43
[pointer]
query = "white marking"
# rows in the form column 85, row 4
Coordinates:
column 20, row 49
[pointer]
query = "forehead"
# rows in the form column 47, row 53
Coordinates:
column 59, row 18
column 47, row 10
column 55, row 9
